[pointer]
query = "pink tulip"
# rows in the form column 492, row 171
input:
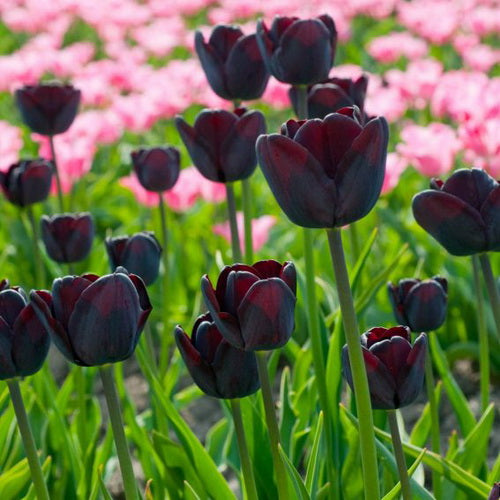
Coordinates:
column 391, row 47
column 10, row 144
column 394, row 167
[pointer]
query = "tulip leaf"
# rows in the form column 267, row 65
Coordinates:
column 422, row 427
column 313, row 463
column 104, row 491
column 494, row 474
column 216, row 440
column 287, row 415
column 360, row 263
column 294, row 478
column 189, row 492
column 15, row 480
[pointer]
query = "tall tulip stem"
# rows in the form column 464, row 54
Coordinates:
column 246, row 464
column 484, row 357
column 233, row 224
column 115, row 417
column 247, row 219
column 39, row 269
column 28, row 441
column 358, row 369
column 56, row 173
column 164, row 234
column 272, row 426
column 492, row 288
column 302, row 107
column 400, row 457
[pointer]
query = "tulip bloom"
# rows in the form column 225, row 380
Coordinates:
column 495, row 492
column 138, row 254
column 253, row 306
column 394, row 367
column 157, row 168
column 48, row 108
column 421, row 305
column 298, row 51
column 68, row 237
column 326, row 173
column 27, row 181
column 462, row 213
column 219, row 369
column 232, row 63
column 24, row 341
column 222, row 144
column 92, row 320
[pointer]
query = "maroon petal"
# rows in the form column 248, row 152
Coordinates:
column 206, row 339
column 208, row 292
column 7, row 366
column 238, row 284
column 220, row 289
column 11, row 305
column 410, row 380
column 144, row 302
column 268, row 269
column 490, row 212
column 393, row 353
column 65, row 292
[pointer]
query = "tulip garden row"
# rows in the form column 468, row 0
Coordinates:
column 316, row 379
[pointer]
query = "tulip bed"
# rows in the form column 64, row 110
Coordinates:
column 282, row 376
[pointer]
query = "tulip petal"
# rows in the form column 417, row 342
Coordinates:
column 396, row 304
column 206, row 339
column 11, row 304
column 65, row 292
column 393, row 353
column 490, row 212
column 327, row 98
column 238, row 284
column 300, row 185
column 144, row 303
column 410, row 380
column 220, row 289
column 141, row 257
column 425, row 306
column 450, row 221
column 7, row 366
column 36, row 182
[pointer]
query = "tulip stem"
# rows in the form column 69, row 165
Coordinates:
column 233, row 224
column 29, row 443
column 164, row 233
column 434, row 413
column 399, row 454
column 246, row 464
column 115, row 417
column 56, row 173
column 492, row 288
column 272, row 426
column 39, row 270
column 358, row 369
column 247, row 219
column 79, row 380
column 484, row 358
column 302, row 107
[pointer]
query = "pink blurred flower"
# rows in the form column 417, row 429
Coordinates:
column 10, row 144
column 276, row 94
column 260, row 230
column 394, row 167
column 384, row 100
column 146, row 198
column 161, row 36
column 481, row 57
column 391, row 47
column 430, row 149
column 483, row 20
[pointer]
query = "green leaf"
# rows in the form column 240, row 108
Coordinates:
column 45, row 469
column 360, row 263
column 313, row 463
column 287, row 415
column 422, row 427
column 104, row 491
column 189, row 492
column 294, row 478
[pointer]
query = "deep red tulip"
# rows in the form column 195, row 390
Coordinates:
column 495, row 492
column 157, row 168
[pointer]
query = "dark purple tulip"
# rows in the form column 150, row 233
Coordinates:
column 68, row 237
column 24, row 341
column 495, row 492
column 157, row 168
column 232, row 63
column 331, row 95
column 27, row 181
column 326, row 173
column 219, row 369
column 421, row 305
column 394, row 367
column 222, row 144
column 298, row 51
column 92, row 320
column 48, row 108
column 463, row 213
column 138, row 254
column 253, row 306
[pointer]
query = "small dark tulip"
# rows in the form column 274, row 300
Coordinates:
column 421, row 305
column 298, row 51
column 331, row 95
column 326, row 173
column 495, row 492
column 463, row 213
column 48, row 108
column 138, row 254
column 92, row 320
column 232, row 63
column 394, row 367
column 219, row 369
column 24, row 340
column 253, row 306
column 68, row 237
column 27, row 181
column 157, row 168
column 222, row 144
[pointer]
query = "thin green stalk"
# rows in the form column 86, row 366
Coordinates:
column 56, row 173
column 115, row 417
column 39, row 269
column 354, row 237
column 484, row 356
column 29, row 443
column 302, row 107
column 492, row 288
column 246, row 464
column 272, row 426
column 399, row 454
column 79, row 377
column 358, row 369
column 165, row 254
column 247, row 219
column 233, row 225
column 434, row 412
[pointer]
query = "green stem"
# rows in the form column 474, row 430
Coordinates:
column 400, row 457
column 56, row 172
column 165, row 254
column 233, row 225
column 246, row 464
column 272, row 426
column 79, row 378
column 492, row 288
column 39, row 269
column 353, row 234
column 434, row 413
column 115, row 417
column 302, row 107
column 29, row 443
column 358, row 369
column 484, row 357
column 247, row 219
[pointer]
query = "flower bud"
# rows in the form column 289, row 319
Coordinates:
column 157, row 168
